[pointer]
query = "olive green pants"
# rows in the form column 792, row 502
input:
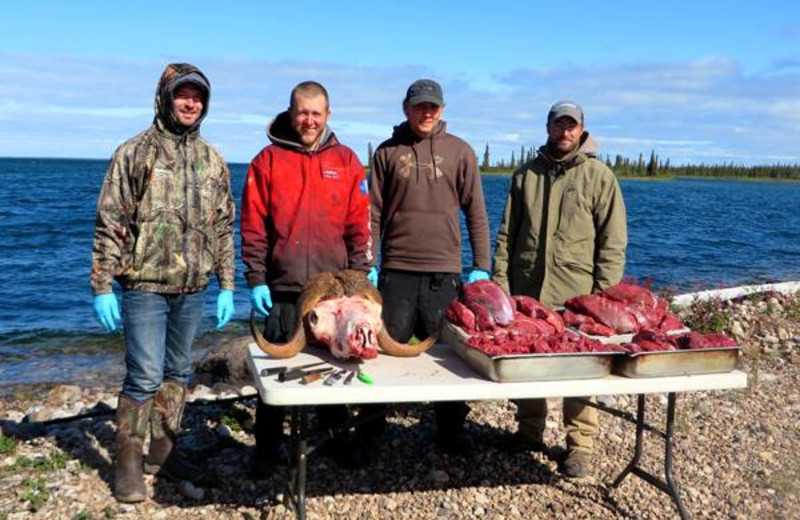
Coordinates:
column 580, row 421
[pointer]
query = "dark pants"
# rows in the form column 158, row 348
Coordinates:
column 269, row 434
column 413, row 305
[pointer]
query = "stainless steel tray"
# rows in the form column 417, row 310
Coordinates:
column 528, row 367
column 621, row 339
column 677, row 362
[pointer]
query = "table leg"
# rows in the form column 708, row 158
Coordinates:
column 298, row 470
column 668, row 486
column 637, row 450
column 673, row 488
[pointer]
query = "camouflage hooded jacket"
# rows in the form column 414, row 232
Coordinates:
column 165, row 212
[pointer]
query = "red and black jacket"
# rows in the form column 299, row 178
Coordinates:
column 303, row 211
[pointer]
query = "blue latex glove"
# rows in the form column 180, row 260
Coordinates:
column 477, row 274
column 107, row 310
column 372, row 276
column 261, row 299
column 224, row 307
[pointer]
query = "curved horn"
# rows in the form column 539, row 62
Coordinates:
column 397, row 349
column 287, row 350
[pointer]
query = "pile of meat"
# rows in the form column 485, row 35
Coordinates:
column 620, row 309
column 500, row 324
column 654, row 341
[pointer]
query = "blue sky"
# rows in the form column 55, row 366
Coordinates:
column 696, row 81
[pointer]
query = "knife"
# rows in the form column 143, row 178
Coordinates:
column 279, row 370
column 297, row 374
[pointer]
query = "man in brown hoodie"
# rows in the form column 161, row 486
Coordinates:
column 421, row 179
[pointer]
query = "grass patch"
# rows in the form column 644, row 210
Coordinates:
column 708, row 316
column 235, row 419
column 8, row 445
column 108, row 512
column 34, row 493
column 55, row 460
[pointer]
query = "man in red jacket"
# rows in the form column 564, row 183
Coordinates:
column 305, row 210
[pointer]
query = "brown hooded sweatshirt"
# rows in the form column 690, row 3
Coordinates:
column 417, row 188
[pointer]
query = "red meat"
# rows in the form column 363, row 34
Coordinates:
column 459, row 314
column 696, row 340
column 485, row 294
column 535, row 309
column 607, row 312
column 528, row 325
column 631, row 295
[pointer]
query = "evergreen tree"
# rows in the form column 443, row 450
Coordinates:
column 369, row 156
column 485, row 163
column 652, row 164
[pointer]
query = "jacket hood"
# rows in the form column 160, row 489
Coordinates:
column 174, row 75
column 281, row 133
column 585, row 150
column 404, row 134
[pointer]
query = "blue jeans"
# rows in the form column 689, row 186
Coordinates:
column 159, row 330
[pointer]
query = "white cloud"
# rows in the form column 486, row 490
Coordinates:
column 708, row 109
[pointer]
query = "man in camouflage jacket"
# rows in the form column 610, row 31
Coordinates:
column 164, row 225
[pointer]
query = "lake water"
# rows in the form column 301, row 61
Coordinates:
column 685, row 234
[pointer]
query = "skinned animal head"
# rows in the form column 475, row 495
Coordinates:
column 343, row 312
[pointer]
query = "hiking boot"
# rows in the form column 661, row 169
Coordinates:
column 577, row 463
column 132, row 420
column 165, row 425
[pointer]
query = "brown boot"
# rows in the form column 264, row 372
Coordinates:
column 132, row 419
column 165, row 424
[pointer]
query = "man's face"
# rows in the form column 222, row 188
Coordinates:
column 563, row 134
column 187, row 103
column 423, row 118
column 309, row 116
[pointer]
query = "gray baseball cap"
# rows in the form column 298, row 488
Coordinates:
column 424, row 91
column 565, row 107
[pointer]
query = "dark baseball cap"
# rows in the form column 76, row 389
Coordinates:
column 424, row 91
column 195, row 78
column 565, row 107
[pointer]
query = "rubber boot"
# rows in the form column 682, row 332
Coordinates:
column 165, row 424
column 132, row 419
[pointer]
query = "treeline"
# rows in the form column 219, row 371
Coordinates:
column 654, row 167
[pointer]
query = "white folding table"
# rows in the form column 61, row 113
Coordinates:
column 440, row 375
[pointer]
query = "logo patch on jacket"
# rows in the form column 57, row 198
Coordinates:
column 330, row 174
column 363, row 187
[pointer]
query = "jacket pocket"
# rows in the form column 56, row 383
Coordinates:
column 576, row 254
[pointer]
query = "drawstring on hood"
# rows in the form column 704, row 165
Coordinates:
column 175, row 75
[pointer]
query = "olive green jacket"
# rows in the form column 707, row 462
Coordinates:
column 564, row 230
column 165, row 213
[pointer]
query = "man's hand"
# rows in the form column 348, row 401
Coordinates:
column 261, row 299
column 107, row 310
column 476, row 275
column 372, row 276
column 224, row 307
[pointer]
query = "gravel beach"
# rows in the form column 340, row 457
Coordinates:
column 736, row 452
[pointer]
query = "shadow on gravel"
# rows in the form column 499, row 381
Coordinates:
column 408, row 460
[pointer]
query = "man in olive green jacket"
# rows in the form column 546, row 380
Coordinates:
column 563, row 234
